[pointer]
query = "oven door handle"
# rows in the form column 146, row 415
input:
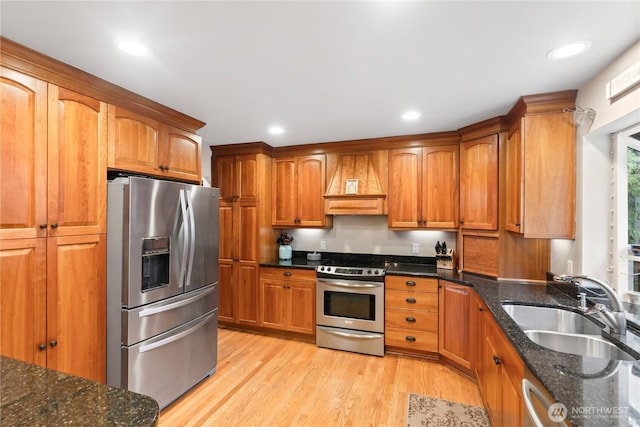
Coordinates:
column 352, row 335
column 351, row 284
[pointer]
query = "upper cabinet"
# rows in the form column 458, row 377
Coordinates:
column 141, row 144
column 479, row 183
column 54, row 157
column 298, row 190
column 237, row 177
column 423, row 187
column 540, row 165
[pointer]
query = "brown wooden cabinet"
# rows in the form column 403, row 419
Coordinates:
column 423, row 187
column 411, row 314
column 245, row 235
column 540, row 162
column 455, row 324
column 53, row 224
column 501, row 374
column 288, row 299
column 298, row 191
column 479, row 183
column 138, row 143
column 238, row 262
column 237, row 177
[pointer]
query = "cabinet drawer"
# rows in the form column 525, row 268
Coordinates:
column 411, row 319
column 411, row 340
column 287, row 274
column 411, row 300
column 414, row 284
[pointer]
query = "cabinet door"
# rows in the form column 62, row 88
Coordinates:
column 479, row 183
column 455, row 305
column 440, row 187
column 492, row 375
column 247, row 294
column 405, row 184
column 246, row 236
column 133, row 142
column 246, row 178
column 285, row 192
column 511, row 401
column 302, row 313
column 273, row 297
column 23, row 296
column 225, row 177
column 226, row 292
column 514, row 180
column 77, row 173
column 226, row 238
column 23, row 156
column 76, row 305
column 180, row 154
column 310, row 189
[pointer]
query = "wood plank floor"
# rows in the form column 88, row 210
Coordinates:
column 267, row 381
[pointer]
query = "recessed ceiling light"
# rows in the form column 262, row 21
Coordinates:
column 133, row 48
column 410, row 115
column 569, row 49
column 276, row 130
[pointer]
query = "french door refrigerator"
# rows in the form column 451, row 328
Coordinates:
column 162, row 286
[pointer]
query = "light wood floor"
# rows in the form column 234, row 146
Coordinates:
column 267, row 381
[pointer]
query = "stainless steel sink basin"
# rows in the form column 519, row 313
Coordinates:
column 551, row 319
column 581, row 345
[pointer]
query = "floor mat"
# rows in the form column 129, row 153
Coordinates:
column 424, row 411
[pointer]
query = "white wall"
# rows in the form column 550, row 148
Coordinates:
column 369, row 234
column 589, row 251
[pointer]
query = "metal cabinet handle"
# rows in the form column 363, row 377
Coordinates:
column 42, row 347
column 410, row 319
column 53, row 343
column 410, row 338
column 54, row 225
column 43, row 226
column 527, row 388
column 480, row 309
column 496, row 360
column 287, row 274
column 411, row 300
column 410, row 283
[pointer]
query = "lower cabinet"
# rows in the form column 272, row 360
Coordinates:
column 500, row 376
column 455, row 315
column 411, row 314
column 53, row 303
column 287, row 299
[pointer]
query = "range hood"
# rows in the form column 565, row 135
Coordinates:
column 356, row 188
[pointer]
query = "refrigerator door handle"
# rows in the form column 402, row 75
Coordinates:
column 185, row 245
column 162, row 308
column 192, row 239
column 177, row 336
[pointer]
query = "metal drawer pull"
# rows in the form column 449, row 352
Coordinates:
column 411, row 300
column 410, row 338
column 352, row 335
column 527, row 388
column 410, row 283
column 496, row 360
column 410, row 319
column 287, row 274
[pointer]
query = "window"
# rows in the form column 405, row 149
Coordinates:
column 626, row 207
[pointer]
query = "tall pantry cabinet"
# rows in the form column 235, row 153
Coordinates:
column 243, row 175
column 52, row 225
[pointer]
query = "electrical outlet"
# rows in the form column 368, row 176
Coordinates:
column 415, row 248
column 323, row 245
column 569, row 267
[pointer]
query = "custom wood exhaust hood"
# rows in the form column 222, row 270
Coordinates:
column 356, row 186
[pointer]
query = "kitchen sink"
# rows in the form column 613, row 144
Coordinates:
column 581, row 345
column 551, row 319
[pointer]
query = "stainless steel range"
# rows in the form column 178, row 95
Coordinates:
column 350, row 308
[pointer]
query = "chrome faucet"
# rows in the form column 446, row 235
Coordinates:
column 614, row 318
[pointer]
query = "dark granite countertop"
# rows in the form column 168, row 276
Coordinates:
column 596, row 392
column 31, row 395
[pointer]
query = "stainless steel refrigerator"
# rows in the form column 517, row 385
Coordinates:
column 162, row 286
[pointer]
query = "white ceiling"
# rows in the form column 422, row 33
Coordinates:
column 329, row 71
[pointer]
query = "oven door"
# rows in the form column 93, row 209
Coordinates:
column 350, row 304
